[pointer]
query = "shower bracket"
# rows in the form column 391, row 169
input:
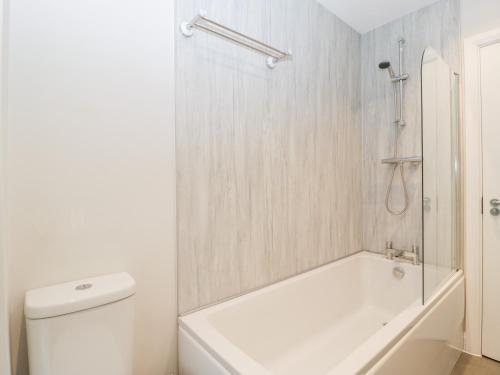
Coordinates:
column 400, row 78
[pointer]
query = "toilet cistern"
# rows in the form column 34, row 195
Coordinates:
column 82, row 327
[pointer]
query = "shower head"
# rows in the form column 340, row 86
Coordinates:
column 384, row 65
column 387, row 65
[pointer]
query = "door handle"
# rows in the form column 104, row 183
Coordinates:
column 495, row 202
column 495, row 212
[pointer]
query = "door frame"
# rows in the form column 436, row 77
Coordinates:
column 473, row 218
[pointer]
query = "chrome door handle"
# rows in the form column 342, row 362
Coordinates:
column 495, row 212
column 495, row 202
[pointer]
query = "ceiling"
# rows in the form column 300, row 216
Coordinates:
column 366, row 15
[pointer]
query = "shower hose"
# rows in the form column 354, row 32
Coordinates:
column 401, row 168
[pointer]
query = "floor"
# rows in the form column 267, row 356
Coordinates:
column 470, row 365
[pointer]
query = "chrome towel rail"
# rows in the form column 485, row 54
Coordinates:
column 202, row 22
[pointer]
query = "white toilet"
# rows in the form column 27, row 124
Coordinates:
column 83, row 327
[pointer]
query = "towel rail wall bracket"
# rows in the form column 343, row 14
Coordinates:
column 203, row 23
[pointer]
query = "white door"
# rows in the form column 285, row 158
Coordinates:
column 490, row 97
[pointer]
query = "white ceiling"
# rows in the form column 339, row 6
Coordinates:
column 366, row 15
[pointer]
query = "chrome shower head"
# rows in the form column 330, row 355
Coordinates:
column 387, row 65
column 384, row 65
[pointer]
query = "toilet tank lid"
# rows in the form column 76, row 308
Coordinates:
column 76, row 296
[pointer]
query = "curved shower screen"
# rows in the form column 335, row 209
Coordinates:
column 439, row 172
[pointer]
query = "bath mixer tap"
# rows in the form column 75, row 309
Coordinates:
column 403, row 255
column 408, row 256
column 390, row 252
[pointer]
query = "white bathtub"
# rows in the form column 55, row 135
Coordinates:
column 352, row 316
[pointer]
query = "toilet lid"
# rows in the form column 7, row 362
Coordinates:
column 78, row 295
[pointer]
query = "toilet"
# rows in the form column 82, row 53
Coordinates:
column 82, row 327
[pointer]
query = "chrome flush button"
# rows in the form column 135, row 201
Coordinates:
column 83, row 287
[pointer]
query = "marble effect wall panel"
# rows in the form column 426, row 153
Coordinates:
column 279, row 171
column 269, row 161
column 437, row 26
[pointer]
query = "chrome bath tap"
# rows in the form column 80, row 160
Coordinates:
column 412, row 256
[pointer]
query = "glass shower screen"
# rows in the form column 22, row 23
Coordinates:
column 439, row 172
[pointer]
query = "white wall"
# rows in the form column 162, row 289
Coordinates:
column 375, row 13
column 4, row 337
column 479, row 16
column 90, row 158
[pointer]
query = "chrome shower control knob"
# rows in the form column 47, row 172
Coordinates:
column 495, row 211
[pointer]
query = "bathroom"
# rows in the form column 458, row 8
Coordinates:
column 251, row 187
